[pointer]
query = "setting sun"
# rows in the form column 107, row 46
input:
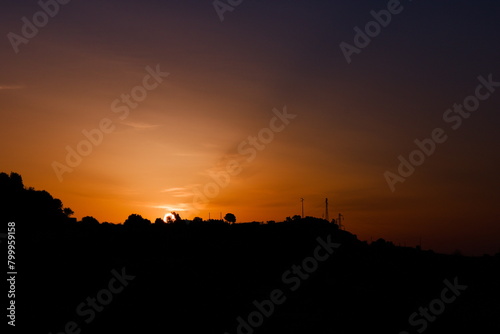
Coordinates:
column 168, row 217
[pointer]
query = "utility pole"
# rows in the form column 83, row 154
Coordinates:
column 302, row 200
column 327, row 217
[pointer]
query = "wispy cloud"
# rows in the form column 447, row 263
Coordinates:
column 179, row 192
column 172, row 189
column 140, row 125
column 176, row 207
column 184, row 194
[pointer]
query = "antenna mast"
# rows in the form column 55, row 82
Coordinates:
column 302, row 200
column 327, row 217
column 340, row 219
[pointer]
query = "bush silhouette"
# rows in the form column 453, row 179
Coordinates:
column 159, row 221
column 136, row 221
column 90, row 221
column 229, row 217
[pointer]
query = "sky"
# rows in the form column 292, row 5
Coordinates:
column 203, row 107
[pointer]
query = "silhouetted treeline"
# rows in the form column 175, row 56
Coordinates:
column 203, row 276
column 27, row 206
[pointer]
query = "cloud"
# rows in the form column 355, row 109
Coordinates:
column 170, row 208
column 179, row 192
column 140, row 125
column 184, row 194
column 171, row 189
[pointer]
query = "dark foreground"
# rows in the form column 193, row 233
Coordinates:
column 242, row 279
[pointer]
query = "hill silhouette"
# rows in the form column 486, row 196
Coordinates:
column 296, row 276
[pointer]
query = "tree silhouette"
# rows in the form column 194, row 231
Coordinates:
column 16, row 181
column 135, row 220
column 159, row 221
column 197, row 220
column 68, row 212
column 177, row 217
column 32, row 208
column 89, row 220
column 229, row 217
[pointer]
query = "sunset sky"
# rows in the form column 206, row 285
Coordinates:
column 227, row 80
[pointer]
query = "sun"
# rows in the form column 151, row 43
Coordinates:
column 168, row 215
